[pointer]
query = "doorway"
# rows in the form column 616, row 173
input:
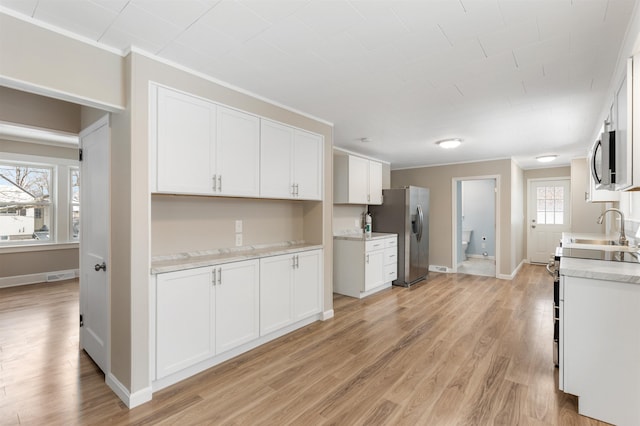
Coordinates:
column 475, row 241
column 547, row 216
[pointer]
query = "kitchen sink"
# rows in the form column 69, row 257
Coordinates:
column 595, row 242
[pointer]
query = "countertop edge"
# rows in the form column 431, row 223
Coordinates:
column 218, row 259
column 600, row 270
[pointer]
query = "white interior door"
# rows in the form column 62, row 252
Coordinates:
column 548, row 217
column 94, row 241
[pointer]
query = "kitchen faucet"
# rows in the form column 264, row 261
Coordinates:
column 623, row 239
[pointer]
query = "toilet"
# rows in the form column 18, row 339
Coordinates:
column 466, row 237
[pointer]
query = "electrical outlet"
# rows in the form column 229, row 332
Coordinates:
column 238, row 226
column 238, row 240
column 483, row 245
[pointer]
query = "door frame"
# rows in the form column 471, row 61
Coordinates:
column 454, row 218
column 102, row 121
column 527, row 216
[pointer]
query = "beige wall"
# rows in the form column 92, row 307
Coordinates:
column 518, row 195
column 184, row 223
column 43, row 60
column 34, row 262
column 38, row 111
column 439, row 180
column 584, row 215
column 27, row 148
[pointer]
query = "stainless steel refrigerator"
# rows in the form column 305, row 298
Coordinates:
column 405, row 211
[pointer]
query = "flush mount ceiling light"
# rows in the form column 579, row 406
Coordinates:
column 546, row 158
column 365, row 140
column 449, row 143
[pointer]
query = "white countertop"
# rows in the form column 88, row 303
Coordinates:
column 197, row 259
column 362, row 237
column 601, row 270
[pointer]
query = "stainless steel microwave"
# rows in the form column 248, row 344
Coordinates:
column 603, row 161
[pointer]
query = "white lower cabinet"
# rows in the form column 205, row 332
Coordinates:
column 363, row 267
column 185, row 321
column 600, row 347
column 203, row 312
column 290, row 289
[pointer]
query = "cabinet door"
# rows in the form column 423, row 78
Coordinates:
column 307, row 165
column 358, row 180
column 237, row 304
column 375, row 183
column 373, row 269
column 237, row 153
column 185, row 143
column 276, row 160
column 184, row 319
column 308, row 284
column 276, row 292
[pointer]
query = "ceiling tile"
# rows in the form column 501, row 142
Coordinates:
column 123, row 40
column 112, row 5
column 82, row 17
column 182, row 13
column 274, row 11
column 206, row 40
column 26, row 7
column 235, row 20
column 147, row 29
column 328, row 18
column 291, row 35
column 508, row 38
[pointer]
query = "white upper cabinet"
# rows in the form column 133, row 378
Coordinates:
column 357, row 180
column 290, row 162
column 185, row 130
column 631, row 148
column 375, row 183
column 202, row 148
column 237, row 153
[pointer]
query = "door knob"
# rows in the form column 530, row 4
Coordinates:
column 99, row 266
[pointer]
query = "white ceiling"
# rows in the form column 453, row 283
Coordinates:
column 513, row 78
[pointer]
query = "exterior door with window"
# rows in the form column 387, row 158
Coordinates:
column 548, row 217
column 94, row 242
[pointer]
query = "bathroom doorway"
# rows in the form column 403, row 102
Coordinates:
column 475, row 240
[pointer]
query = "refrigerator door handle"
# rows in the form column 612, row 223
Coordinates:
column 420, row 223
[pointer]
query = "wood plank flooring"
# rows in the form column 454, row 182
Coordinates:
column 454, row 350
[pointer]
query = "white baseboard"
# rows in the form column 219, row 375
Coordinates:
column 513, row 274
column 439, row 268
column 131, row 400
column 327, row 315
column 41, row 277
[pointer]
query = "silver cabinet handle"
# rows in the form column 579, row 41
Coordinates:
column 219, row 183
column 293, row 262
column 297, row 261
column 214, row 276
column 219, row 276
column 367, row 258
column 215, row 188
column 293, row 189
column 296, row 188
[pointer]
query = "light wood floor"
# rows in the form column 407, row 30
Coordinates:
column 457, row 349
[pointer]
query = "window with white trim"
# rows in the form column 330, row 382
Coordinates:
column 26, row 202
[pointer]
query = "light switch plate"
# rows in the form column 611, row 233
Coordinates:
column 238, row 240
column 238, row 226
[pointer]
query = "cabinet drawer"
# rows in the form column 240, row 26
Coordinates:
column 390, row 256
column 374, row 245
column 391, row 242
column 390, row 273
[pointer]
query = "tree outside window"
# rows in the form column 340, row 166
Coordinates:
column 25, row 202
column 74, row 174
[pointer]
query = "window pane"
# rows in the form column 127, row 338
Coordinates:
column 549, row 192
column 25, row 211
column 540, row 193
column 75, row 203
column 559, row 205
column 559, row 193
column 559, row 218
column 541, row 219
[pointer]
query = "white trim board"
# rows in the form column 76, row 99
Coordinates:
column 38, row 278
column 131, row 400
